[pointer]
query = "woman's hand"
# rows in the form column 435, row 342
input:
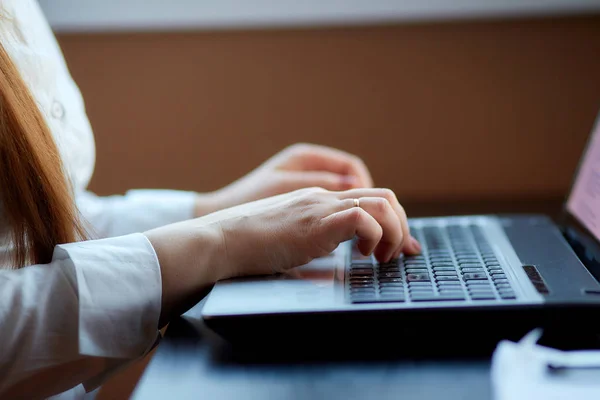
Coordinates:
column 283, row 232
column 277, row 234
column 298, row 166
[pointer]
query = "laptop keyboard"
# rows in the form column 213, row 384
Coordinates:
column 457, row 264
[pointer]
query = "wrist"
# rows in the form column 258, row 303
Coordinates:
column 191, row 259
column 206, row 203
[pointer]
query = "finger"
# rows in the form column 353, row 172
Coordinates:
column 350, row 223
column 393, row 234
column 311, row 157
column 326, row 180
column 409, row 245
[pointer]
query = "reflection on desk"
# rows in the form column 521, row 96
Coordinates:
column 192, row 362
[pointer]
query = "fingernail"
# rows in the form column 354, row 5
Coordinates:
column 415, row 244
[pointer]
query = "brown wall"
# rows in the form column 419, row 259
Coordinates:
column 437, row 110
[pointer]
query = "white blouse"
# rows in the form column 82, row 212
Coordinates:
column 99, row 298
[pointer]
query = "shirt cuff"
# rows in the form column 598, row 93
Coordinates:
column 136, row 211
column 120, row 290
column 163, row 207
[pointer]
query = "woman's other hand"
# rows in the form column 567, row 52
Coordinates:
column 296, row 167
column 277, row 234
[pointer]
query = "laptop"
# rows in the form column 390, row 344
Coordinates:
column 478, row 276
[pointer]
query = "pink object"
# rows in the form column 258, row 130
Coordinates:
column 584, row 200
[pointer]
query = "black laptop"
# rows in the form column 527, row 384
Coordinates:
column 479, row 277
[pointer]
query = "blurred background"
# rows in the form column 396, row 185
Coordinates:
column 446, row 101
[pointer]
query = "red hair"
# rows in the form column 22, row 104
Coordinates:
column 36, row 199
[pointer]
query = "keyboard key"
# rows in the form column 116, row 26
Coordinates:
column 415, row 264
column 482, row 293
column 508, row 296
column 475, row 276
column 361, row 284
column 505, row 290
column 417, row 277
column 414, row 260
column 360, row 278
column 421, row 289
column 390, row 275
column 456, row 293
column 418, row 293
column 415, row 284
column 497, row 276
column 390, row 292
column 442, row 264
column 438, row 269
column 446, row 278
column 389, row 271
column 383, row 286
column 471, row 265
column 449, row 283
column 475, row 288
column 501, row 281
column 441, row 260
column 483, row 296
column 391, row 288
column 445, row 273
column 370, row 288
column 501, row 286
column 420, row 285
column 467, row 270
column 465, row 254
column 495, row 270
column 451, row 289
column 363, row 271
column 465, row 260
column 390, row 280
column 411, row 270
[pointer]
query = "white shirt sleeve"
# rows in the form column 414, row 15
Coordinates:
column 136, row 211
column 100, row 298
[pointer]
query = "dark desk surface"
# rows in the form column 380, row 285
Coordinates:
column 193, row 362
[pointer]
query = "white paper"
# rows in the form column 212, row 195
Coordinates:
column 520, row 371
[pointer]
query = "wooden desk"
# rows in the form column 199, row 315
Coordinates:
column 193, row 362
